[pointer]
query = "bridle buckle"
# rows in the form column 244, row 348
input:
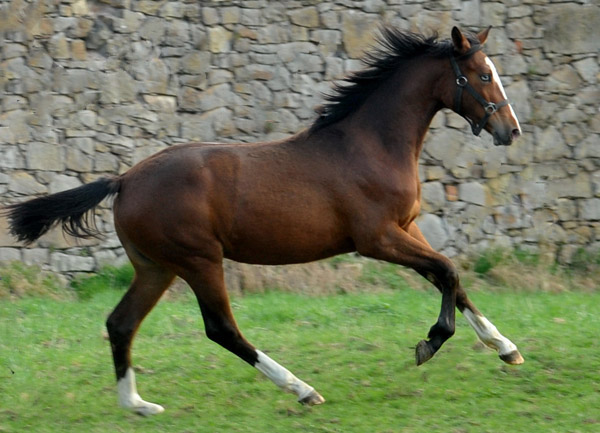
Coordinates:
column 491, row 108
column 461, row 81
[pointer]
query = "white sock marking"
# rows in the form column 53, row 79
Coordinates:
column 282, row 377
column 130, row 399
column 489, row 334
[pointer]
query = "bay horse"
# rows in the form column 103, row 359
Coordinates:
column 348, row 183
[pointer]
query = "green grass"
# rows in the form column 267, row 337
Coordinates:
column 109, row 278
column 356, row 350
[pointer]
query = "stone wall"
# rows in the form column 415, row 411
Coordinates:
column 88, row 88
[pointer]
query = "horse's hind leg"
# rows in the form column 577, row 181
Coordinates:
column 206, row 280
column 484, row 329
column 149, row 283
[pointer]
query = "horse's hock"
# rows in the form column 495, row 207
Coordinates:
column 91, row 87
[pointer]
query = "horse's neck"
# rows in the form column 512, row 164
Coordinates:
column 399, row 113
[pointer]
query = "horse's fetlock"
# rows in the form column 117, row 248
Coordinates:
column 443, row 328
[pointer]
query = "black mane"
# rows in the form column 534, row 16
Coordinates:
column 394, row 48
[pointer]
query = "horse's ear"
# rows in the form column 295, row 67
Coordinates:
column 461, row 44
column 483, row 35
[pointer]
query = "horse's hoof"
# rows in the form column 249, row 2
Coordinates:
column 513, row 358
column 312, row 399
column 423, row 352
column 149, row 409
column 145, row 408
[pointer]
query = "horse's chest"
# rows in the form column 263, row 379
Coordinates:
column 406, row 202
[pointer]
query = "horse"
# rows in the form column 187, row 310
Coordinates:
column 347, row 183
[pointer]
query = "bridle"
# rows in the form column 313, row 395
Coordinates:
column 463, row 83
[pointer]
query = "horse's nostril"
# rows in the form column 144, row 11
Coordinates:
column 516, row 133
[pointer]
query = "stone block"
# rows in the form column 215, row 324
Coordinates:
column 358, row 32
column 305, row 17
column 445, row 147
column 61, row 182
column 197, row 62
column 230, row 15
column 153, row 29
column 473, row 192
column 588, row 147
column 434, row 229
column 58, row 47
column 161, row 103
column 80, row 7
column 588, row 69
column 578, row 186
column 550, row 145
column 43, row 156
column 36, row 256
column 24, row 183
column 39, row 59
column 62, row 262
column 106, row 162
column 433, row 196
column 129, row 23
column 589, row 210
column 561, row 36
column 148, row 7
column 10, row 254
column 118, row 87
column 210, row 16
column 82, row 28
column 564, row 79
column 470, row 13
column 251, row 17
column 219, row 40
column 105, row 258
column 451, row 192
column 328, row 40
column 177, row 33
column 78, row 161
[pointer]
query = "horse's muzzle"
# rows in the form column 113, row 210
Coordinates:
column 506, row 138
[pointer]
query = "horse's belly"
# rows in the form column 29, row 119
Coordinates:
column 278, row 243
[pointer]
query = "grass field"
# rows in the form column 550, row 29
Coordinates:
column 56, row 372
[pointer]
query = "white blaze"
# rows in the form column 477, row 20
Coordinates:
column 496, row 79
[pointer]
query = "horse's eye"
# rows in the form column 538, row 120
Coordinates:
column 486, row 78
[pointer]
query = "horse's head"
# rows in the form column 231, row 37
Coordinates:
column 478, row 94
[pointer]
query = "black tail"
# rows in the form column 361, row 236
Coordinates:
column 31, row 219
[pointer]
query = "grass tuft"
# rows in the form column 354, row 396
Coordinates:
column 109, row 278
column 18, row 280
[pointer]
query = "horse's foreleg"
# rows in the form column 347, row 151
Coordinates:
column 149, row 284
column 397, row 246
column 484, row 329
column 208, row 284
